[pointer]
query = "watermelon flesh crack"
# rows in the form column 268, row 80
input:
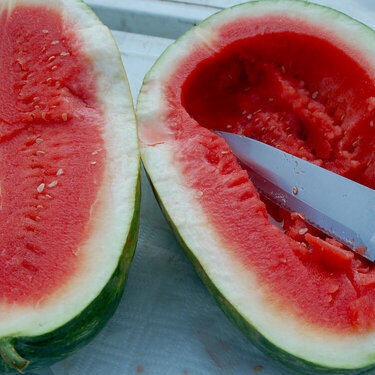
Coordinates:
column 51, row 152
column 305, row 96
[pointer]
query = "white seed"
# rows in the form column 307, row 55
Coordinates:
column 51, row 58
column 54, row 67
column 93, row 162
column 36, row 107
column 94, row 153
column 303, row 231
column 270, row 99
column 224, row 152
column 64, row 53
column 315, row 94
column 45, row 31
column 59, row 172
column 39, row 140
column 43, row 115
column 244, row 112
column 52, row 184
column 40, row 188
column 229, row 126
column 250, row 116
column 371, row 123
column 48, row 196
column 39, row 152
column 64, row 116
column 49, row 79
column 55, row 42
column 283, row 68
column 39, row 206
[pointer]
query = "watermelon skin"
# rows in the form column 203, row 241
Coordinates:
column 42, row 351
column 156, row 137
column 293, row 363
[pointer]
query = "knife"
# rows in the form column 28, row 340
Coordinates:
column 339, row 207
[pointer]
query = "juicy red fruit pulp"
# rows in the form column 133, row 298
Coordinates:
column 301, row 94
column 51, row 157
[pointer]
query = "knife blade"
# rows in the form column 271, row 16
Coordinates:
column 339, row 207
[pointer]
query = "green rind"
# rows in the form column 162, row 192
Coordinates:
column 46, row 349
column 296, row 364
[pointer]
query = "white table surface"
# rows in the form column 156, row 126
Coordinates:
column 167, row 323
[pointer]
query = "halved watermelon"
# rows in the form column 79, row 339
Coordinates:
column 300, row 77
column 69, row 179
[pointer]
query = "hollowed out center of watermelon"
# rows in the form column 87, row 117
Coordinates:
column 305, row 96
column 51, row 152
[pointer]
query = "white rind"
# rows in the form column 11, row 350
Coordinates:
column 238, row 285
column 113, row 210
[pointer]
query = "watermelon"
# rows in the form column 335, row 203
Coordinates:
column 69, row 180
column 300, row 77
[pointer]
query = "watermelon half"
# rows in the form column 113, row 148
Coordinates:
column 300, row 77
column 69, row 179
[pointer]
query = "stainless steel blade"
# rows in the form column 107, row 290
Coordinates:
column 339, row 207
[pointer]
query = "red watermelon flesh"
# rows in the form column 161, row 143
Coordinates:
column 303, row 94
column 51, row 152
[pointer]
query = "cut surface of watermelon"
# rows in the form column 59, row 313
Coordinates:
column 53, row 148
column 301, row 78
column 69, row 179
